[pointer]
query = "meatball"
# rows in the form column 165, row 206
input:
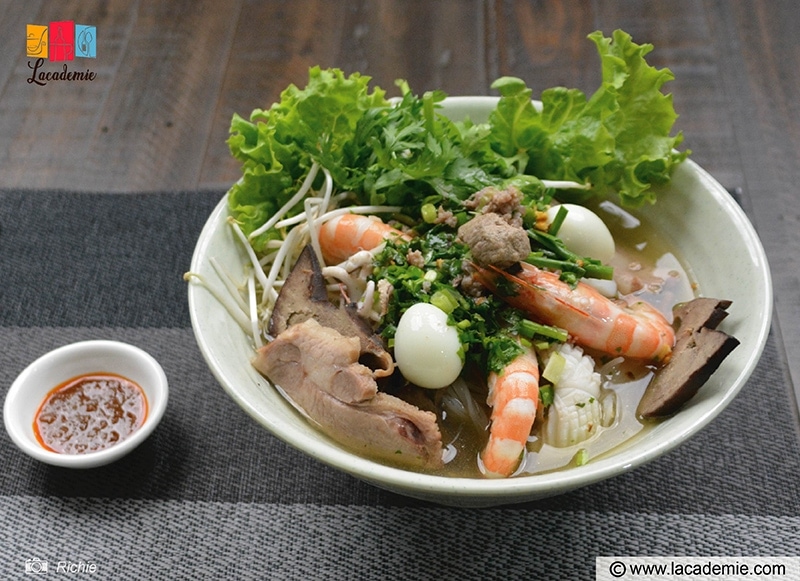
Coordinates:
column 493, row 241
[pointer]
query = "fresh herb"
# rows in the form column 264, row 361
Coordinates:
column 618, row 140
column 488, row 329
column 406, row 153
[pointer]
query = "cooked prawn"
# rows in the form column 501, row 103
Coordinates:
column 343, row 236
column 514, row 398
column 634, row 329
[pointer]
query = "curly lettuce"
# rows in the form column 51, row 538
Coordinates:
column 278, row 146
column 618, row 140
column 406, row 153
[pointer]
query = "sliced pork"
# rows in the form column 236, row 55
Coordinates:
column 318, row 369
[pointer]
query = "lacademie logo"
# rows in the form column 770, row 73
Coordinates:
column 57, row 42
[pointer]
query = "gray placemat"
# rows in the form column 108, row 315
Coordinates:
column 211, row 494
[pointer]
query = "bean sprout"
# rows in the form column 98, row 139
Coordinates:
column 254, row 325
column 225, row 300
column 227, row 280
column 259, row 272
column 269, row 271
column 301, row 193
column 355, row 286
column 282, row 255
column 367, row 300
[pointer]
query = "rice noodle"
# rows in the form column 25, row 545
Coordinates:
column 471, row 410
column 610, row 368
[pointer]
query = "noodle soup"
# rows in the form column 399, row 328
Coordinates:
column 645, row 265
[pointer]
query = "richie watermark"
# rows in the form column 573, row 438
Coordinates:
column 37, row 566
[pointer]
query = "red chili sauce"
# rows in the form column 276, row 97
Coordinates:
column 90, row 413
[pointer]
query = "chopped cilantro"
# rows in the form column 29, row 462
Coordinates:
column 488, row 329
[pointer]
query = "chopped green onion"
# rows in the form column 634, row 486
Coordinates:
column 547, row 393
column 405, row 219
column 554, row 368
column 444, row 300
column 539, row 261
column 428, row 213
column 601, row 271
column 549, row 241
column 555, row 225
column 528, row 329
column 562, row 259
column 581, row 457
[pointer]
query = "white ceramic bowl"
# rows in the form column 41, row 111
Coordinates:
column 40, row 377
column 695, row 214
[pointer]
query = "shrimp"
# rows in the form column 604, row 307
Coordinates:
column 634, row 329
column 343, row 236
column 514, row 398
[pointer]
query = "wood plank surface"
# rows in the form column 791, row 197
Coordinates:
column 432, row 45
column 169, row 76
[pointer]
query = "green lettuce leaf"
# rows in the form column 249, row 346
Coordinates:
column 402, row 154
column 406, row 153
column 618, row 140
column 277, row 147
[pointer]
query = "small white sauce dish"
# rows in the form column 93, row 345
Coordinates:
column 52, row 369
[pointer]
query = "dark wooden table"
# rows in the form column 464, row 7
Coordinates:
column 169, row 76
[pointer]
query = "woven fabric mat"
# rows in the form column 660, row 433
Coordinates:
column 213, row 495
